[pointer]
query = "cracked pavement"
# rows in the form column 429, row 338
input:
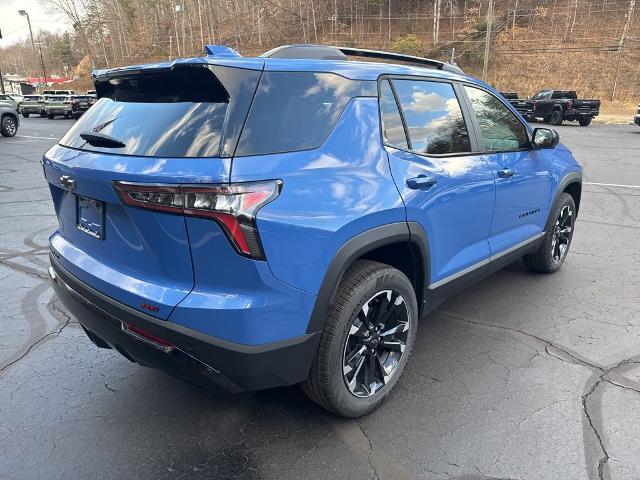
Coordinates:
column 520, row 377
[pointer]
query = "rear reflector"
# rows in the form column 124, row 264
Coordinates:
column 234, row 206
column 147, row 337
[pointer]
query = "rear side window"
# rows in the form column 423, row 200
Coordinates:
column 191, row 111
column 433, row 117
column 500, row 128
column 294, row 111
column 392, row 129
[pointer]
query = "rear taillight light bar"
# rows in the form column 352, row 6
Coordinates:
column 233, row 206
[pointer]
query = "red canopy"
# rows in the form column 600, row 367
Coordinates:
column 49, row 80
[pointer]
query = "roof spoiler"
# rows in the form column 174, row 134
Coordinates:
column 325, row 52
column 220, row 51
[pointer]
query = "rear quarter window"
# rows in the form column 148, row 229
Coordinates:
column 295, row 111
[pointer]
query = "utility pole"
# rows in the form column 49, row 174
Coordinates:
column 1, row 77
column 42, row 63
column 623, row 38
column 175, row 27
column 33, row 44
column 487, row 40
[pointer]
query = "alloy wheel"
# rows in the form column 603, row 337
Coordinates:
column 561, row 235
column 375, row 343
column 10, row 126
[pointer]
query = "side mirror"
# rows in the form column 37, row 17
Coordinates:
column 545, row 138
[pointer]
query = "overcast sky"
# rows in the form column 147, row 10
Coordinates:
column 14, row 27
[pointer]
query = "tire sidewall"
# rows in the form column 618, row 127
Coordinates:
column 347, row 403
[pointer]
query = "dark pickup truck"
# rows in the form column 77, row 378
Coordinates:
column 554, row 106
column 636, row 119
column 522, row 105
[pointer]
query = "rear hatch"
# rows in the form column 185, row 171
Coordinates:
column 170, row 124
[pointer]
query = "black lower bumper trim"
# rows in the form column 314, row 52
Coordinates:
column 197, row 357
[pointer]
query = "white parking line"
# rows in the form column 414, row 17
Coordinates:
column 611, row 185
column 30, row 136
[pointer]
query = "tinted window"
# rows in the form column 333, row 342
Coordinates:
column 433, row 117
column 182, row 112
column 294, row 111
column 541, row 95
column 500, row 129
column 560, row 94
column 392, row 129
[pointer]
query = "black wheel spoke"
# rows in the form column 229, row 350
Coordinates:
column 381, row 311
column 375, row 343
column 393, row 345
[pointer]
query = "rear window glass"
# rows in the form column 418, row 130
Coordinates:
column 295, row 111
column 562, row 94
column 182, row 112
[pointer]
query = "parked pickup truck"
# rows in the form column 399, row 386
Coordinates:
column 58, row 105
column 522, row 105
column 33, row 105
column 554, row 106
column 636, row 119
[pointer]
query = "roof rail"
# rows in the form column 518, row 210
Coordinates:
column 327, row 52
column 361, row 52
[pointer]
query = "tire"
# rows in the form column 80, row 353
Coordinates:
column 556, row 117
column 51, row 116
column 8, row 126
column 585, row 122
column 550, row 256
column 366, row 285
column 43, row 114
column 25, row 115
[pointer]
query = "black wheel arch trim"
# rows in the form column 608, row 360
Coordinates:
column 568, row 179
column 357, row 247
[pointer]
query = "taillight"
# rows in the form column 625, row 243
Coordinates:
column 233, row 206
column 534, row 104
column 570, row 104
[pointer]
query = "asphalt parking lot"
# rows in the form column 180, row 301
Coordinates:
column 523, row 376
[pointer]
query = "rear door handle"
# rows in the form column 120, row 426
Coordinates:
column 421, row 182
column 506, row 173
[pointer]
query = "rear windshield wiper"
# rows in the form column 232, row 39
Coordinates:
column 101, row 140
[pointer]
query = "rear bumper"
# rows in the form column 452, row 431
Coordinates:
column 581, row 113
column 199, row 358
column 58, row 110
column 31, row 109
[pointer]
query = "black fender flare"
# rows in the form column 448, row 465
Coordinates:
column 569, row 178
column 355, row 248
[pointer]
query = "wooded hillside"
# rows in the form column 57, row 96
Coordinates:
column 589, row 45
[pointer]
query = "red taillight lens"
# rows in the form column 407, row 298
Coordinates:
column 233, row 206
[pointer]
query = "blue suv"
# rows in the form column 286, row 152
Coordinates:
column 262, row 222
